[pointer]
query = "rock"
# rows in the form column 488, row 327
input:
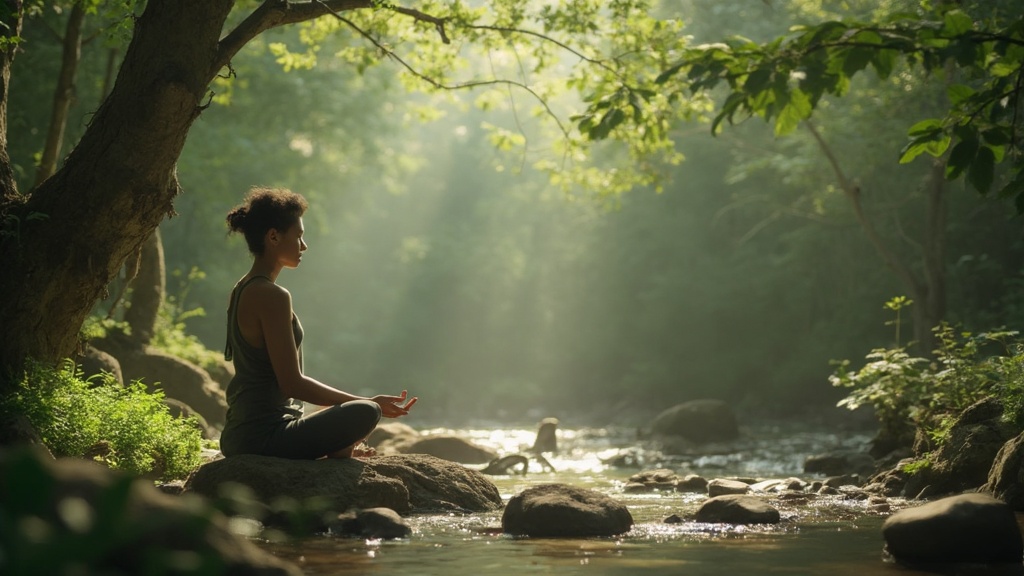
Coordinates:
column 698, row 421
column 560, row 510
column 94, row 361
column 844, row 480
column 16, row 430
column 840, row 463
column 450, row 447
column 1006, row 477
column 547, row 440
column 408, row 483
column 179, row 409
column 177, row 378
column 127, row 523
column 722, row 486
column 962, row 463
column 692, row 483
column 389, row 431
column 371, row 523
column 737, row 509
column 967, row 528
column 651, row 480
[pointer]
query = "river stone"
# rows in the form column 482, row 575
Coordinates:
column 737, row 509
column 692, row 483
column 449, row 447
column 560, row 510
column 404, row 483
column 391, row 431
column 371, row 523
column 1006, row 478
column 967, row 528
column 698, row 421
column 722, row 486
column 126, row 521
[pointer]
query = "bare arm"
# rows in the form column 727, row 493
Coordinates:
column 275, row 318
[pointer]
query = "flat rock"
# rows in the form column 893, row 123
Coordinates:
column 737, row 509
column 411, row 483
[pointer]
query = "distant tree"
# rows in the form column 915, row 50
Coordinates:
column 975, row 48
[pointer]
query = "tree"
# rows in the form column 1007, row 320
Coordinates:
column 64, row 242
column 977, row 50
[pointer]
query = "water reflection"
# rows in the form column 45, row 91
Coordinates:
column 821, row 535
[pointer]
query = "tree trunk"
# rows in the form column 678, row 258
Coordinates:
column 931, row 306
column 77, row 228
column 10, row 27
column 148, row 289
column 63, row 94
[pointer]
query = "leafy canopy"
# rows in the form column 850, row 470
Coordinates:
column 783, row 80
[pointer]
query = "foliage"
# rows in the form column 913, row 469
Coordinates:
column 929, row 393
column 785, row 79
column 129, row 428
column 171, row 333
column 40, row 534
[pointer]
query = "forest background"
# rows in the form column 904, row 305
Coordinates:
column 441, row 262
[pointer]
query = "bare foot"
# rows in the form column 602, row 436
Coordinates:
column 359, row 450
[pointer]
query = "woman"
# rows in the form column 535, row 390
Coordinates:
column 264, row 341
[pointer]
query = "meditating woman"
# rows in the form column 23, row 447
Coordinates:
column 264, row 339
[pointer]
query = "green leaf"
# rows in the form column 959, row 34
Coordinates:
column 981, row 172
column 925, row 127
column 961, row 157
column 884, row 61
column 672, row 71
column 797, row 109
column 958, row 93
column 956, row 22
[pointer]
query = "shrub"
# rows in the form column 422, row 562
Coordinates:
column 136, row 431
column 929, row 393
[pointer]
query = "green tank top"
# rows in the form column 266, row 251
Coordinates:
column 256, row 406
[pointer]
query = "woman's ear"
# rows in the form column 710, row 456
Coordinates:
column 272, row 236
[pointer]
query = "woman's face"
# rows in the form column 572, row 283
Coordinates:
column 290, row 245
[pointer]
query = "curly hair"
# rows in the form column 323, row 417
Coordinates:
column 265, row 209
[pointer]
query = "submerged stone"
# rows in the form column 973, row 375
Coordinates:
column 560, row 510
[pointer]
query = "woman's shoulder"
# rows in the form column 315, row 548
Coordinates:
column 262, row 290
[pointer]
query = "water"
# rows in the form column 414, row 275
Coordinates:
column 824, row 536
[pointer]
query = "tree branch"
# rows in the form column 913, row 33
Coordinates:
column 442, row 86
column 853, row 193
column 275, row 13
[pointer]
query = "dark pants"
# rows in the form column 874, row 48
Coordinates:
column 325, row 431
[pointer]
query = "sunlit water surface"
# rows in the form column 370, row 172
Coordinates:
column 822, row 536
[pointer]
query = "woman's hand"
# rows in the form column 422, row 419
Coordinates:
column 394, row 406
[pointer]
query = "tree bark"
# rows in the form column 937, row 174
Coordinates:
column 10, row 27
column 78, row 226
column 148, row 289
column 60, row 248
column 63, row 94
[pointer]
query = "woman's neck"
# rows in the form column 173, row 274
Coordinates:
column 262, row 267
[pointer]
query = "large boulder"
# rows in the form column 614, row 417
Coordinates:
column 967, row 528
column 737, row 509
column 404, row 483
column 94, row 361
column 560, row 510
column 179, row 379
column 75, row 516
column 448, row 447
column 392, row 432
column 962, row 462
column 699, row 421
column 1006, row 478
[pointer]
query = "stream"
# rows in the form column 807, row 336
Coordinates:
column 826, row 535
